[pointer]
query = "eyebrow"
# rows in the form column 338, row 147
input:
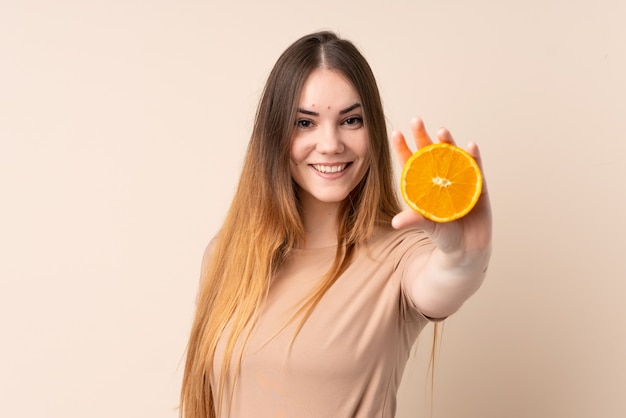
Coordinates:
column 341, row 112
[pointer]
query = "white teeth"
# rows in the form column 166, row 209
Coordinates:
column 329, row 168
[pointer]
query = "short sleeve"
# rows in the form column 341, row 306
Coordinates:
column 414, row 243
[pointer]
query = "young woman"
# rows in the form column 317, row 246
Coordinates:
column 317, row 285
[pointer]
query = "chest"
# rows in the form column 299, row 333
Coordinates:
column 357, row 325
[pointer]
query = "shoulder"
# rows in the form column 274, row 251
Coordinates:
column 206, row 256
column 206, row 261
column 388, row 240
column 398, row 247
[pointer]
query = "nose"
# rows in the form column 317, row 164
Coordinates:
column 329, row 141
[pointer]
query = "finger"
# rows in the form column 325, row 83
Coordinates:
column 474, row 151
column 411, row 218
column 445, row 136
column 403, row 152
column 419, row 133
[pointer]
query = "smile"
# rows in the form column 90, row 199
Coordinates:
column 329, row 168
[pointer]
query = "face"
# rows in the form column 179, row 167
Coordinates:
column 330, row 147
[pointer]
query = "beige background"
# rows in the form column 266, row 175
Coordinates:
column 122, row 129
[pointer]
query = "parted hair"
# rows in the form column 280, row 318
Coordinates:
column 264, row 221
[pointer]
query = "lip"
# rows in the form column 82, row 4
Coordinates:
column 334, row 170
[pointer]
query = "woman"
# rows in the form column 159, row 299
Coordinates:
column 317, row 285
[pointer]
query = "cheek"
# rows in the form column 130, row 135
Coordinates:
column 364, row 150
column 361, row 141
column 294, row 163
column 364, row 153
column 295, row 169
column 297, row 151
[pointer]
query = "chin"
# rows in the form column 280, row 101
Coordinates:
column 335, row 198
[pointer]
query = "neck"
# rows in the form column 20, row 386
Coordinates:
column 320, row 222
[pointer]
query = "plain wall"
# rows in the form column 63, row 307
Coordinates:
column 122, row 129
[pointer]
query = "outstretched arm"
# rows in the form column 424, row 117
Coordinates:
column 439, row 282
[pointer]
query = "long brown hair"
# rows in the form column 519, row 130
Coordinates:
column 264, row 221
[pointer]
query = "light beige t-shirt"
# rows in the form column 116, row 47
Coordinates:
column 348, row 359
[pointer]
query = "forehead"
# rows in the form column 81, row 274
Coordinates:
column 324, row 88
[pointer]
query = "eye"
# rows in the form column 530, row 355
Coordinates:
column 304, row 123
column 355, row 121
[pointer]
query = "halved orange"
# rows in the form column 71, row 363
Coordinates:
column 441, row 181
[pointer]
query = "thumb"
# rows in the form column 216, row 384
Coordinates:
column 411, row 218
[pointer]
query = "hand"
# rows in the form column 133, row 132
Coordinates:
column 464, row 236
